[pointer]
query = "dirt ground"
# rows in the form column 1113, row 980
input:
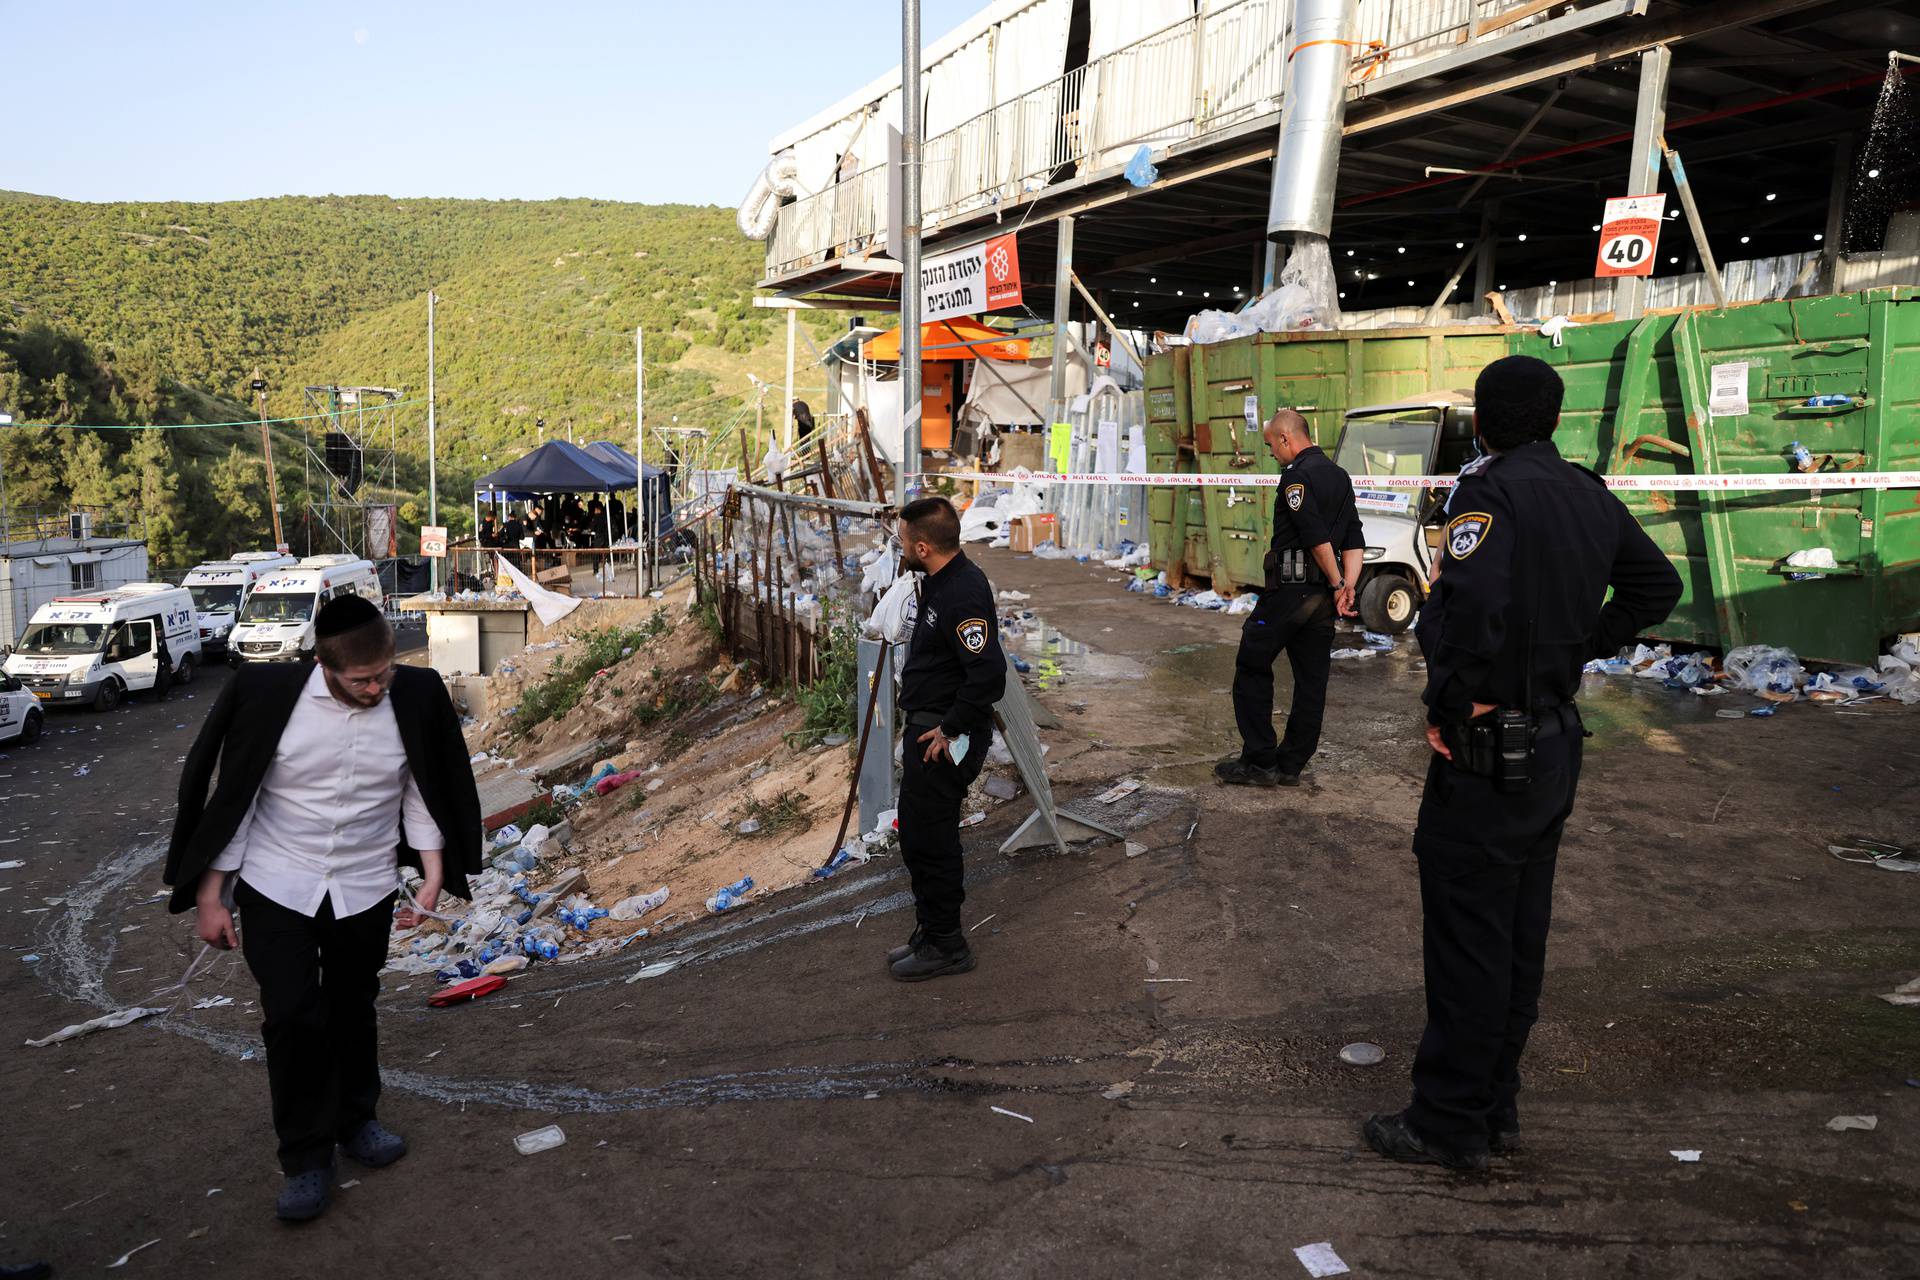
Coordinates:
column 1165, row 1027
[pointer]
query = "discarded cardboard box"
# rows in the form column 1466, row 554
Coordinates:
column 1027, row 532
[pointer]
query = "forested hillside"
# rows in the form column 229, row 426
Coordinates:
column 159, row 313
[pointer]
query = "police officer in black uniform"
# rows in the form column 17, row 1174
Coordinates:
column 954, row 673
column 1532, row 543
column 1310, row 570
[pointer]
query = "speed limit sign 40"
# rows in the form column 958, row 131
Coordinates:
column 1629, row 234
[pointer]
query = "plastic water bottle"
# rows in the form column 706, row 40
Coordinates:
column 729, row 897
column 1829, row 402
column 840, row 859
column 535, row 947
column 1802, row 457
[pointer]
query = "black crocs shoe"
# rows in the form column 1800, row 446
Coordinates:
column 1236, row 771
column 900, row 953
column 1503, row 1135
column 374, row 1145
column 1393, row 1137
column 929, row 960
column 306, row 1196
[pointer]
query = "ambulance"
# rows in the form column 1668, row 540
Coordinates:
column 220, row 589
column 276, row 623
column 95, row 649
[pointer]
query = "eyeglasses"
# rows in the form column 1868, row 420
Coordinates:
column 378, row 680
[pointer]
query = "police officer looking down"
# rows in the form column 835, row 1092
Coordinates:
column 953, row 675
column 1310, row 571
column 1531, row 546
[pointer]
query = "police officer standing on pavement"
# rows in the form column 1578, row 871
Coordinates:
column 1532, row 544
column 953, row 675
column 1310, row 571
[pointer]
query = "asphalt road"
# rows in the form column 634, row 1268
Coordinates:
column 1163, row 1028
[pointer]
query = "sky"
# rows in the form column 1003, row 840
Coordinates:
column 649, row 100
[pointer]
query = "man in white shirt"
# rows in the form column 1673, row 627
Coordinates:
column 312, row 865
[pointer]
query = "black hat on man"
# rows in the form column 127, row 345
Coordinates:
column 344, row 613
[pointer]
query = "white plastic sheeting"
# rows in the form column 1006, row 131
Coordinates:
column 1019, row 396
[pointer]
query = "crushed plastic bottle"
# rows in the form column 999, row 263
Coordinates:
column 1802, row 457
column 729, row 897
column 529, row 1144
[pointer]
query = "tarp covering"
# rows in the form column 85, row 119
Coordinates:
column 555, row 467
column 1022, row 398
column 948, row 334
column 659, row 498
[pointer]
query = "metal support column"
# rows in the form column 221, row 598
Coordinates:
column 907, row 475
column 1643, row 168
column 1062, row 308
column 1834, row 243
column 786, row 422
column 1484, row 261
column 876, row 767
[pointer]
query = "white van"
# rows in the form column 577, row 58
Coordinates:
column 276, row 623
column 94, row 649
column 220, row 589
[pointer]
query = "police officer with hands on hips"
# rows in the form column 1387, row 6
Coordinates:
column 1531, row 545
column 1310, row 572
column 954, row 674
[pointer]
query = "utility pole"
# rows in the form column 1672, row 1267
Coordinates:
column 906, row 478
column 266, row 450
column 641, row 526
column 433, row 475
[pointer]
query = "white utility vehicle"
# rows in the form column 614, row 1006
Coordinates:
column 276, row 624
column 94, row 649
column 220, row 589
column 1428, row 435
column 20, row 715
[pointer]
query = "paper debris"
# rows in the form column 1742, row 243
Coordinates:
column 214, row 1002
column 1118, row 791
column 1841, row 1123
column 1015, row 1114
column 1120, row 1090
column 1320, row 1259
column 122, row 1260
column 1686, row 1157
column 350, row 1184
column 1135, row 850
column 10, row 864
column 104, row 1022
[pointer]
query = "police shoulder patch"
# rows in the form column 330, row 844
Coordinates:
column 973, row 634
column 1296, row 494
column 1466, row 532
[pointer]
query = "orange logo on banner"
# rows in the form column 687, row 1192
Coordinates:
column 1003, row 272
column 1629, row 234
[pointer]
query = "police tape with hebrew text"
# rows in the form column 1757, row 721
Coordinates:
column 1254, row 480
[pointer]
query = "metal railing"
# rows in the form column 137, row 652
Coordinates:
column 1214, row 71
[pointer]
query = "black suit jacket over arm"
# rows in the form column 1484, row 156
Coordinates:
column 242, row 733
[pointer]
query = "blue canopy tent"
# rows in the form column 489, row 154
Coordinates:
column 658, row 499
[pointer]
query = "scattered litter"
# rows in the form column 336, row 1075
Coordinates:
column 1118, row 791
column 974, row 819
column 1730, row 713
column 528, row 1144
column 1320, row 1259
column 214, row 1002
column 1686, row 1157
column 1905, row 993
column 1169, row 979
column 82, row 772
column 213, row 1191
column 1353, row 653
column 11, row 863
column 638, row 905
column 654, row 970
column 121, row 1261
column 983, row 922
column 350, row 1184
column 1840, row 1124
column 1363, row 1053
column 1375, row 640
column 1116, row 1091
column 1015, row 1114
column 730, row 896
column 105, row 1022
column 1879, row 853
column 1135, row 850
column 748, row 826
column 197, row 1233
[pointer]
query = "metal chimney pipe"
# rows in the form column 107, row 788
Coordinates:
column 1307, row 160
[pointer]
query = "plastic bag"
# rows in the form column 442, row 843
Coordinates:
column 1140, row 170
column 1763, row 669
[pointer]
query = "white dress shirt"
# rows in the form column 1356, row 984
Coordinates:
column 326, row 822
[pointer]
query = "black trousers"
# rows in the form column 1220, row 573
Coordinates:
column 930, row 797
column 1298, row 620
column 1486, row 895
column 318, row 980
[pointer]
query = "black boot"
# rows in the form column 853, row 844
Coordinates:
column 1237, row 771
column 1503, row 1133
column 934, row 958
column 900, row 953
column 1393, row 1137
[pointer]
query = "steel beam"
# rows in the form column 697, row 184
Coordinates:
column 1062, row 308
column 1643, row 164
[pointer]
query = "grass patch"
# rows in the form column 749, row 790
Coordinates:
column 563, row 688
column 543, row 813
column 829, row 703
column 784, row 813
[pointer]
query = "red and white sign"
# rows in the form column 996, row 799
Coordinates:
column 979, row 278
column 1629, row 235
column 433, row 540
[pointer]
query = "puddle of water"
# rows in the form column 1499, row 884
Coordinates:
column 1620, row 711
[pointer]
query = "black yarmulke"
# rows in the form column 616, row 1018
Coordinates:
column 344, row 613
